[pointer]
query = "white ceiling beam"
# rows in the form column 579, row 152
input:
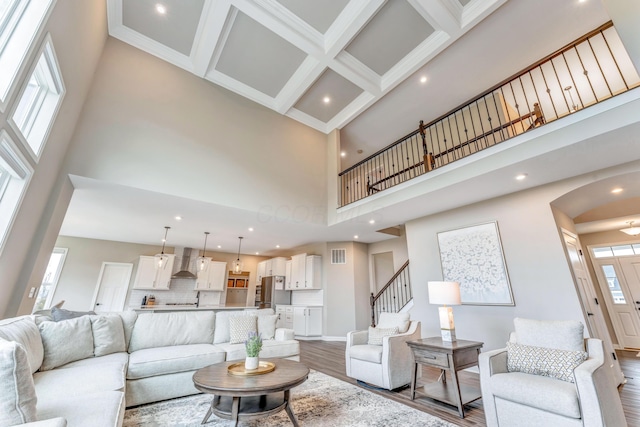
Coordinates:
column 306, row 74
column 348, row 24
column 477, row 10
column 442, row 15
column 356, row 72
column 240, row 88
column 213, row 22
column 354, row 108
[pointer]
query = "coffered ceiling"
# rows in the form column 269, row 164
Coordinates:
column 319, row 62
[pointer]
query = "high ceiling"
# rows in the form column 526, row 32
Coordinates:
column 319, row 62
column 368, row 57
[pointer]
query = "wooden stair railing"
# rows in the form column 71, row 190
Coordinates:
column 393, row 296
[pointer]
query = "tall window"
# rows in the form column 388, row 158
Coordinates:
column 50, row 280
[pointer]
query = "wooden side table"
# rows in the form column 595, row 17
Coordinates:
column 447, row 356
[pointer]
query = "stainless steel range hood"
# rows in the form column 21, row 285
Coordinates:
column 184, row 272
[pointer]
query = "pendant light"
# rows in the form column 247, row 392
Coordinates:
column 161, row 258
column 202, row 261
column 237, row 264
column 631, row 230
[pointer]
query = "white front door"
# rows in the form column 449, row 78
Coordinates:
column 620, row 301
column 595, row 317
column 112, row 286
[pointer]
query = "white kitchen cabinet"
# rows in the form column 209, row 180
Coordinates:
column 150, row 277
column 313, row 272
column 276, row 266
column 287, row 275
column 213, row 278
column 307, row 321
column 261, row 272
column 298, row 265
column 285, row 316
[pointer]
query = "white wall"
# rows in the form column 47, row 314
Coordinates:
column 397, row 245
column 539, row 274
column 150, row 125
column 78, row 30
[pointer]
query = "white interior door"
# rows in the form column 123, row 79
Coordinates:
column 620, row 302
column 595, row 317
column 631, row 270
column 112, row 286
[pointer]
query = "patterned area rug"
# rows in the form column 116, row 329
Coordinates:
column 321, row 401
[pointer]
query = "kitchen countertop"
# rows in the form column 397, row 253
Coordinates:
column 186, row 307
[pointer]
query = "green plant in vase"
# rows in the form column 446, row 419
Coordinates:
column 253, row 345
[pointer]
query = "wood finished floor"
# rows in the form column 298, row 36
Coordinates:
column 328, row 357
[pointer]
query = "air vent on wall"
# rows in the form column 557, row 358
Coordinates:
column 338, row 256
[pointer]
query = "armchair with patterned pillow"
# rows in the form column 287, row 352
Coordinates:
column 380, row 356
column 547, row 376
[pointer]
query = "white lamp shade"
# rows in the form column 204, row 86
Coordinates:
column 446, row 293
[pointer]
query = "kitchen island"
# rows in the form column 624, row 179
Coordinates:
column 190, row 307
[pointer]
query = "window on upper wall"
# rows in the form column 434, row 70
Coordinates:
column 39, row 101
column 15, row 174
column 20, row 22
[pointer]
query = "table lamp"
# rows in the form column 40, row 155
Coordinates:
column 447, row 294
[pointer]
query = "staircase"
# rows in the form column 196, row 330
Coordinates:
column 394, row 297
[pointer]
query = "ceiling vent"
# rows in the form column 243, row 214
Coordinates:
column 338, row 256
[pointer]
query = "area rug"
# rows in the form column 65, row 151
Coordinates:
column 321, row 401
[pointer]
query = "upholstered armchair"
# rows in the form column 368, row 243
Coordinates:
column 548, row 377
column 380, row 356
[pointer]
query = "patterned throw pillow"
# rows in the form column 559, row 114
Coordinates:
column 547, row 362
column 376, row 334
column 240, row 326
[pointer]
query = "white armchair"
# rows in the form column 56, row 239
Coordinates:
column 515, row 399
column 388, row 365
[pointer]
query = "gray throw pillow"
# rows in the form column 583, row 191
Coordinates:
column 59, row 314
column 267, row 326
column 17, row 392
column 108, row 334
column 546, row 362
column 66, row 341
column 239, row 328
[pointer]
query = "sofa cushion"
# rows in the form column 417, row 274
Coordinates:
column 548, row 362
column 267, row 326
column 240, row 327
column 221, row 334
column 547, row 394
column 17, row 392
column 98, row 409
column 167, row 329
column 128, row 322
column 121, row 358
column 167, row 360
column 270, row 348
column 79, row 380
column 66, row 341
column 560, row 334
column 108, row 334
column 368, row 353
column 376, row 334
column 24, row 331
column 58, row 314
column 390, row 320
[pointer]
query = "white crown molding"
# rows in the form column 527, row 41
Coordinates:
column 477, row 10
column 240, row 88
column 230, row 18
column 348, row 24
column 306, row 119
column 349, row 112
column 351, row 69
column 210, row 34
column 441, row 16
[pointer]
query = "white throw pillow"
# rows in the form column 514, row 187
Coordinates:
column 17, row 392
column 24, row 331
column 391, row 320
column 221, row 333
column 267, row 326
column 108, row 334
column 66, row 341
column 240, row 326
column 377, row 334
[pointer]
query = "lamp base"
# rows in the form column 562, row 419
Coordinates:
column 448, row 335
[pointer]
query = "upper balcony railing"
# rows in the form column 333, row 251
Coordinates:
column 587, row 71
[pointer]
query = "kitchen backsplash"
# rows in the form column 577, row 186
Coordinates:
column 180, row 292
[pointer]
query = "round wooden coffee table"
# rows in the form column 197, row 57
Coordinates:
column 250, row 397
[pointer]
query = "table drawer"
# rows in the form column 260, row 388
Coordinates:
column 432, row 358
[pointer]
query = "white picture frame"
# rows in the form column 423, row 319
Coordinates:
column 473, row 257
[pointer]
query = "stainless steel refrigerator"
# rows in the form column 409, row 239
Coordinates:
column 271, row 292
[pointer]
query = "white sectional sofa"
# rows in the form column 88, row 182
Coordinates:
column 86, row 370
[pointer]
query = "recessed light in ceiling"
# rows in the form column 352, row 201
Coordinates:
column 219, row 246
column 423, row 79
column 521, row 176
column 250, row 228
column 343, row 154
column 161, row 9
column 372, row 221
column 178, row 218
column 277, row 246
column 355, row 237
column 257, row 253
column 617, row 190
column 326, row 100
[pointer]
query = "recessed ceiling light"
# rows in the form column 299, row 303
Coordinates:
column 257, row 253
column 617, row 190
column 277, row 246
column 521, row 176
column 326, row 100
column 342, row 154
column 423, row 79
column 372, row 221
column 250, row 228
column 219, row 246
column 178, row 218
column 355, row 237
column 161, row 9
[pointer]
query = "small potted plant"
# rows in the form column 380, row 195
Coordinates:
column 253, row 345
